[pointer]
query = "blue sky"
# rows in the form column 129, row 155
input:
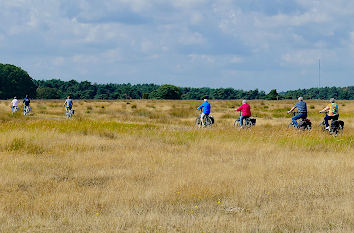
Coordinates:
column 244, row 44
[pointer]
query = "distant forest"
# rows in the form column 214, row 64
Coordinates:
column 55, row 88
column 15, row 81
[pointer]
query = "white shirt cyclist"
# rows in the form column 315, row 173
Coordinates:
column 14, row 102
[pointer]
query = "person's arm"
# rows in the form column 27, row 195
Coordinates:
column 201, row 106
column 239, row 109
column 64, row 103
column 325, row 109
column 292, row 109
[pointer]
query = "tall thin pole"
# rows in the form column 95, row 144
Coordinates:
column 319, row 73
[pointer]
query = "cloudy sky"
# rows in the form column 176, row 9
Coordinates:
column 244, row 44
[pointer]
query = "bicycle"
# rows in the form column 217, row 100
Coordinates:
column 69, row 113
column 248, row 122
column 26, row 110
column 336, row 127
column 208, row 121
column 304, row 124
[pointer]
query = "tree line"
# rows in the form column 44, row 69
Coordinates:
column 16, row 82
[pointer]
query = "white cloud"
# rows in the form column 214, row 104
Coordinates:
column 198, row 35
column 189, row 3
column 201, row 58
column 236, row 59
column 308, row 57
column 192, row 39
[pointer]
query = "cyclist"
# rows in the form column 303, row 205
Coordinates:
column 245, row 110
column 14, row 104
column 205, row 106
column 26, row 102
column 302, row 111
column 332, row 109
column 68, row 104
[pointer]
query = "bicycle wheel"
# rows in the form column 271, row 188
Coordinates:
column 208, row 122
column 198, row 122
column 237, row 123
column 340, row 130
column 248, row 123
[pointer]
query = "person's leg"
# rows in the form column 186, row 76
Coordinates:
column 326, row 119
column 295, row 118
column 241, row 120
column 202, row 118
column 333, row 118
column 207, row 118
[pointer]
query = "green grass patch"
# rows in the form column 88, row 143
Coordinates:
column 21, row 144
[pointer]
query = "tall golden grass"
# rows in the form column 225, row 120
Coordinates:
column 142, row 166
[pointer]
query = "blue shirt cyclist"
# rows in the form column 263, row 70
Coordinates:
column 205, row 106
column 302, row 111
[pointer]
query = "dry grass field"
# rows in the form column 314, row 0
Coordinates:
column 142, row 166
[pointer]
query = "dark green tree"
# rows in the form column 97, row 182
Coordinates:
column 166, row 92
column 272, row 95
column 14, row 81
column 47, row 93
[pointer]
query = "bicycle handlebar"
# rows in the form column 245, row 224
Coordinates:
column 294, row 113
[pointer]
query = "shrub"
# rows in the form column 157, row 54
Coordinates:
column 166, row 92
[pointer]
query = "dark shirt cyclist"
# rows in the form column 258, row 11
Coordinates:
column 26, row 102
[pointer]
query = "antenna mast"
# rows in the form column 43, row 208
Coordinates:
column 319, row 73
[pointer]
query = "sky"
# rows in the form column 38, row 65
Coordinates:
column 243, row 44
